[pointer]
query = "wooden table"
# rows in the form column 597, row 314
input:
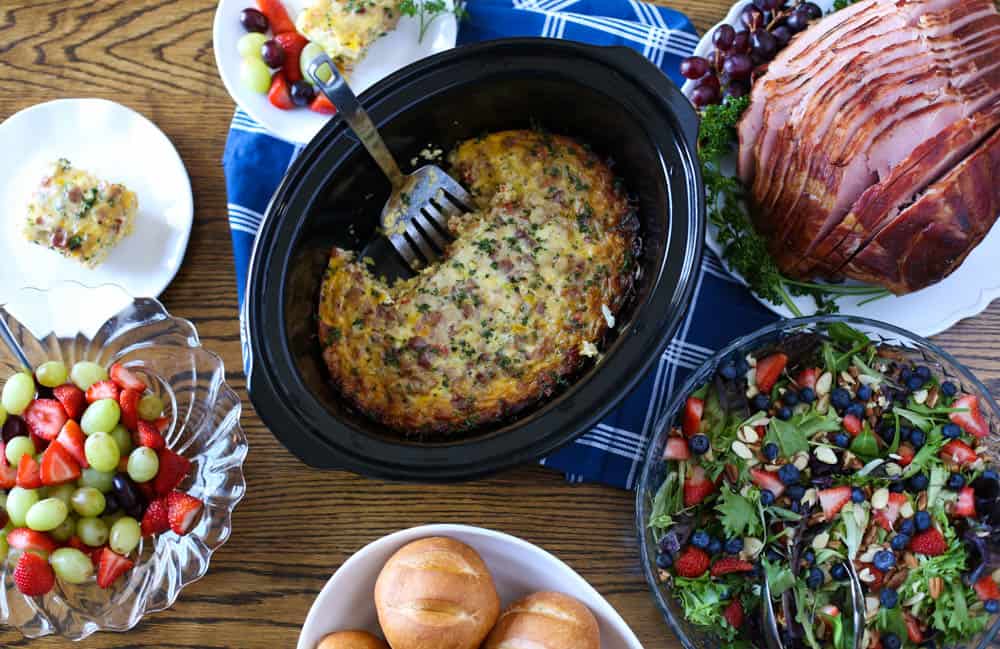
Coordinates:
column 297, row 525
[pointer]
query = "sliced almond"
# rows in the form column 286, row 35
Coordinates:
column 935, row 586
column 871, row 607
column 801, row 460
column 847, row 379
column 824, row 383
column 880, row 498
column 911, row 560
column 920, row 396
column 823, row 405
column 892, row 469
column 748, row 435
column 752, row 546
column 820, row 541
column 866, row 576
column 868, row 555
column 922, row 501
column 742, row 450
column 933, row 396
column 825, row 455
column 906, row 511
column 810, row 497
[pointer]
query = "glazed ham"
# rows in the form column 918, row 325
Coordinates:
column 862, row 135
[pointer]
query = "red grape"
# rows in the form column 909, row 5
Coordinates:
column 811, row 9
column 723, row 37
column 782, row 34
column 797, row 21
column 742, row 42
column 694, row 67
column 738, row 66
column 737, row 88
column 302, row 93
column 273, row 53
column 704, row 95
column 752, row 17
column 763, row 45
column 710, row 81
column 253, row 20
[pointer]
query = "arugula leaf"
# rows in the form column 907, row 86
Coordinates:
column 703, row 601
column 779, row 577
column 737, row 514
column 669, row 500
column 865, row 445
column 855, row 517
column 927, row 454
column 792, row 436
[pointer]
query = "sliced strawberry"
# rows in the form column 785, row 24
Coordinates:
column 958, row 452
column 769, row 371
column 807, row 378
column 322, row 105
column 156, row 519
column 103, row 390
column 173, row 469
column 27, row 540
column 692, row 563
column 833, row 500
column 877, row 577
column 986, row 588
column 45, row 418
column 971, row 421
column 852, row 425
column 277, row 16
column 279, row 95
column 72, row 439
column 40, row 442
column 913, row 630
column 768, row 480
column 29, row 474
column 887, row 516
column 110, row 567
column 58, row 465
column 148, row 435
column 126, row 379
column 729, row 565
column 292, row 43
column 162, row 424
column 8, row 474
column 128, row 401
column 72, row 398
column 697, row 487
column 734, row 614
column 146, row 489
column 676, row 449
column 182, row 511
column 965, row 506
column 906, row 454
column 694, row 408
column 33, row 575
column 929, row 542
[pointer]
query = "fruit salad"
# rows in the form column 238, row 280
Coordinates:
column 824, row 453
column 87, row 474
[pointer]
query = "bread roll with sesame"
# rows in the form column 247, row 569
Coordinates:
column 351, row 640
column 436, row 593
column 545, row 621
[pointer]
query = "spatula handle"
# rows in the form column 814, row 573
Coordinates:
column 335, row 87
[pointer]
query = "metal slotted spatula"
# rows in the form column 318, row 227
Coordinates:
column 415, row 218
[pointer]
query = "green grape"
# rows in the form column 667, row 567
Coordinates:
column 111, row 519
column 123, row 439
column 62, row 492
column 85, row 374
column 125, row 535
column 88, row 501
column 46, row 515
column 3, row 415
column 102, row 452
column 65, row 531
column 92, row 531
column 101, row 417
column 51, row 374
column 143, row 464
column 150, row 407
column 3, row 499
column 18, row 392
column 71, row 565
column 250, row 44
column 100, row 480
column 310, row 52
column 19, row 501
column 255, row 75
column 17, row 448
column 4, row 547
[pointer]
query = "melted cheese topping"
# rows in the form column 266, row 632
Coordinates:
column 79, row 215
column 522, row 296
column 346, row 28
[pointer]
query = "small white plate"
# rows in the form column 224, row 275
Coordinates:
column 965, row 293
column 518, row 568
column 395, row 50
column 116, row 144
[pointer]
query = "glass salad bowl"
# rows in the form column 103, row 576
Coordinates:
column 71, row 322
column 919, row 350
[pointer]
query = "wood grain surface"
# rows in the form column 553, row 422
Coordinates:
column 297, row 525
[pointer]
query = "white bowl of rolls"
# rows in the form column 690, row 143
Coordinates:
column 460, row 587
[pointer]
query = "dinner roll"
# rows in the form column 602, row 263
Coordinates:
column 545, row 621
column 436, row 593
column 351, row 640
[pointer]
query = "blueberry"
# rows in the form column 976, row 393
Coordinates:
column 790, row 399
column 857, row 495
column 891, row 641
column 857, row 409
column 897, row 487
column 664, row 561
column 840, row 398
column 919, row 482
column 922, row 521
column 907, row 527
column 884, row 560
column 771, row 451
column 949, row 389
column 808, row 395
column 918, row 437
column 789, row 474
column 839, row 572
column 797, row 507
column 773, row 556
column 887, row 431
column 842, row 439
column 951, row 431
column 905, row 374
column 699, row 444
column 990, row 474
column 785, row 413
column 956, row 481
column 795, row 492
column 734, row 545
column 923, row 372
column 766, row 498
column 728, row 370
column 715, row 546
column 992, row 606
column 864, row 393
column 815, row 578
column 809, row 557
column 742, row 366
column 888, row 598
column 904, row 433
column 915, row 383
column 761, row 402
column 900, row 542
column 701, row 539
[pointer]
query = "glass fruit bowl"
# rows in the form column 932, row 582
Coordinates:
column 71, row 322
column 919, row 350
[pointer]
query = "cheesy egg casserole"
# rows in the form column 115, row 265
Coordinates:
column 524, row 294
column 346, row 28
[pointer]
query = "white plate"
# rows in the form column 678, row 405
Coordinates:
column 963, row 294
column 518, row 568
column 116, row 144
column 393, row 51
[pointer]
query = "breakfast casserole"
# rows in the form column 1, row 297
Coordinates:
column 523, row 296
column 346, row 28
column 78, row 215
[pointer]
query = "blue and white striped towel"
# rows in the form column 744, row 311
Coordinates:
column 612, row 451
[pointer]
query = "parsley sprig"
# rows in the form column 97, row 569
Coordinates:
column 427, row 11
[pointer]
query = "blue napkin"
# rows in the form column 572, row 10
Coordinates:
column 611, row 452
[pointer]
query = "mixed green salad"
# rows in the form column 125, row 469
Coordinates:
column 825, row 449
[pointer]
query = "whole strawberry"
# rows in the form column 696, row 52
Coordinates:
column 33, row 575
column 692, row 563
column 929, row 542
